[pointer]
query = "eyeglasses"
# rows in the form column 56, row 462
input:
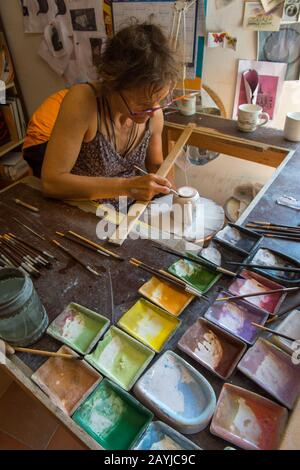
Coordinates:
column 165, row 103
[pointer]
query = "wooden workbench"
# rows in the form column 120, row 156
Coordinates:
column 68, row 282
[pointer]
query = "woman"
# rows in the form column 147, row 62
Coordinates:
column 103, row 129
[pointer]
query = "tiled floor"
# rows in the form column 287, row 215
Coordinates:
column 26, row 424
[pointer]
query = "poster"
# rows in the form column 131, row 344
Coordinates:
column 270, row 83
column 291, row 11
column 269, row 5
column 256, row 19
column 282, row 46
column 87, row 53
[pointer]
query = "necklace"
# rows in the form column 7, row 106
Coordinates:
column 110, row 129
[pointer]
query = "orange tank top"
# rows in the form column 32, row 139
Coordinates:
column 43, row 120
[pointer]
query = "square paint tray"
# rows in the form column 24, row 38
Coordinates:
column 112, row 417
column 67, row 382
column 267, row 257
column 212, row 347
column 253, row 282
column 290, row 326
column 172, row 299
column 120, row 357
column 237, row 237
column 78, row 327
column 248, row 420
column 236, row 316
column 200, row 277
column 272, row 369
column 160, row 436
column 149, row 324
column 177, row 393
column 222, row 255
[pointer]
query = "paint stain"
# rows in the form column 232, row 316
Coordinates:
column 237, row 317
column 112, row 417
column 166, row 296
column 273, row 370
column 248, row 420
column 120, row 358
column 197, row 276
column 177, row 393
column 78, row 327
column 212, row 347
column 66, row 381
column 149, row 324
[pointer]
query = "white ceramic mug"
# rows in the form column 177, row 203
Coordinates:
column 187, row 106
column 249, row 117
column 187, row 199
column 292, row 127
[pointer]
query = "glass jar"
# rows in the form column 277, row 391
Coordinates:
column 23, row 318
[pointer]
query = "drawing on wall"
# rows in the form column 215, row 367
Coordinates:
column 269, row 88
column 282, row 46
column 270, row 4
column 256, row 19
column 223, row 40
column 37, row 14
column 291, row 11
column 84, row 19
column 96, row 47
column 43, row 7
column 61, row 7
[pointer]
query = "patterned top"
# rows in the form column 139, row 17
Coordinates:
column 99, row 158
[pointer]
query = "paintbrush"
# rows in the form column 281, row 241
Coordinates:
column 272, row 224
column 41, row 237
column 274, row 229
column 28, row 206
column 277, row 333
column 18, row 262
column 284, row 233
column 42, row 252
column 95, row 245
column 146, row 173
column 86, row 266
column 10, row 350
column 282, row 237
column 256, row 294
column 201, row 261
column 41, row 260
column 20, row 249
column 81, row 243
column 262, row 266
column 167, row 277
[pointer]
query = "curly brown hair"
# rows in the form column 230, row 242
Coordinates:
column 138, row 55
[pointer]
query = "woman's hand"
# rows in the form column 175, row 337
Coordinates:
column 144, row 188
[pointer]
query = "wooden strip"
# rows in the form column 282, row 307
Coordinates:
column 137, row 209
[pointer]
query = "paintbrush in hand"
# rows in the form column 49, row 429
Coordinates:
column 277, row 333
column 146, row 173
column 256, row 294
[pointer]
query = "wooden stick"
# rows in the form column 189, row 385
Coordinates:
column 10, row 350
column 81, row 243
column 86, row 266
column 258, row 222
column 262, row 266
column 256, row 294
column 269, row 330
column 28, row 206
column 95, row 245
column 137, row 209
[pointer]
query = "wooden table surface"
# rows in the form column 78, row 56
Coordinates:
column 68, row 282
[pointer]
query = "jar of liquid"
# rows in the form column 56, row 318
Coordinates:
column 23, row 318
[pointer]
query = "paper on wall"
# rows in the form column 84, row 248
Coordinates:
column 37, row 14
column 257, row 19
column 291, row 11
column 87, row 53
column 271, row 77
column 223, row 3
column 222, row 39
column 270, row 4
column 87, row 16
column 56, row 47
column 282, row 46
column 251, row 83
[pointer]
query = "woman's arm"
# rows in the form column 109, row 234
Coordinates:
column 78, row 111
